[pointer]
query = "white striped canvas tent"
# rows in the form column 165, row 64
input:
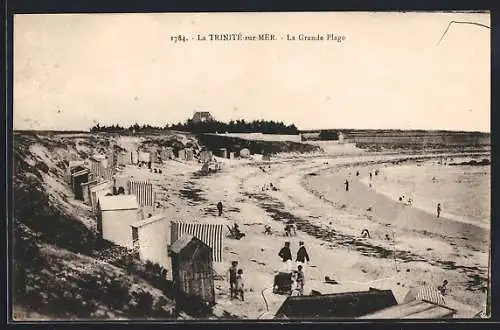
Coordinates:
column 211, row 234
column 426, row 293
column 143, row 190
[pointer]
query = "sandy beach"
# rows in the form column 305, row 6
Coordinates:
column 329, row 221
column 421, row 250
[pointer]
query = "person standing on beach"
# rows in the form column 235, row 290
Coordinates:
column 219, row 208
column 370, row 175
column 302, row 256
column 232, row 278
column 357, row 173
column 346, row 185
column 240, row 286
column 286, row 256
column 438, row 210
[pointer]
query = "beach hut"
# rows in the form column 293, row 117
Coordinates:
column 223, row 152
column 74, row 166
column 205, row 156
column 166, row 153
column 123, row 158
column 337, row 305
column 98, row 190
column 111, row 158
column 244, row 153
column 144, row 157
column 153, row 155
column 134, row 157
column 416, row 309
column 182, row 154
column 192, row 274
column 189, row 154
column 151, row 238
column 116, row 214
column 78, row 178
column 86, row 190
column 211, row 233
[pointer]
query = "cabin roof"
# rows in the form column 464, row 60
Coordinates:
column 153, row 219
column 118, row 202
column 81, row 172
column 101, row 185
column 417, row 309
column 182, row 242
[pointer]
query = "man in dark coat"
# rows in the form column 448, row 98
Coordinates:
column 219, row 208
column 346, row 185
column 286, row 256
column 302, row 256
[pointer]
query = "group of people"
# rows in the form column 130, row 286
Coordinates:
column 297, row 275
column 301, row 259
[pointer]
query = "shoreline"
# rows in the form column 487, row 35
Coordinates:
column 385, row 208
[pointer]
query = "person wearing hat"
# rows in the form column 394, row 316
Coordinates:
column 286, row 257
column 302, row 255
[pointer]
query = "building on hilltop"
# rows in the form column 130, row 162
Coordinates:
column 202, row 116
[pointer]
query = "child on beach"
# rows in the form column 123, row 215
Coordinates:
column 438, row 210
column 240, row 287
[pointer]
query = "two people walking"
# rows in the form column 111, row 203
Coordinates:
column 301, row 259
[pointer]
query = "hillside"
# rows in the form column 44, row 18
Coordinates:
column 62, row 270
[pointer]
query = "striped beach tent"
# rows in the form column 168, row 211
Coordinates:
column 426, row 293
column 143, row 190
column 211, row 234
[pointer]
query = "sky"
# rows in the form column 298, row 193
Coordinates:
column 74, row 70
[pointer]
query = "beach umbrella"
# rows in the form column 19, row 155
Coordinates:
column 425, row 293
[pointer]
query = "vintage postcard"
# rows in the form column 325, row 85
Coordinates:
column 315, row 165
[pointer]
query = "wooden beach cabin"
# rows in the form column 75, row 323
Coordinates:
column 77, row 166
column 337, row 305
column 416, row 309
column 86, row 190
column 210, row 233
column 78, row 178
column 192, row 274
column 100, row 189
column 115, row 216
column 151, row 238
column 182, row 154
column 223, row 152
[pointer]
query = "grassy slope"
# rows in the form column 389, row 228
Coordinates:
column 57, row 270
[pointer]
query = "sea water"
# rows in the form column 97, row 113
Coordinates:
column 464, row 191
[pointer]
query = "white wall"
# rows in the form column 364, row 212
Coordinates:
column 116, row 226
column 153, row 241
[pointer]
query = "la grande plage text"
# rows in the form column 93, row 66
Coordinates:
column 257, row 37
